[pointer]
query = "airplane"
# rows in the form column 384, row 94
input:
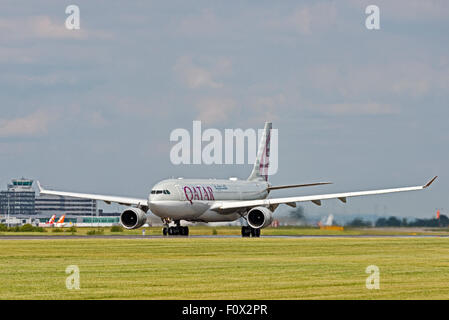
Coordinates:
column 49, row 223
column 60, row 223
column 326, row 221
column 218, row 200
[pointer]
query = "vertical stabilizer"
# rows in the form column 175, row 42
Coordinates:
column 260, row 169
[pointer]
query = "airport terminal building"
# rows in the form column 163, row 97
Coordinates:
column 20, row 199
column 48, row 205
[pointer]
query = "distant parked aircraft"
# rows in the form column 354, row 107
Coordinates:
column 60, row 223
column 326, row 221
column 49, row 223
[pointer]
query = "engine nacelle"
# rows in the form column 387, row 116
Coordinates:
column 133, row 218
column 259, row 217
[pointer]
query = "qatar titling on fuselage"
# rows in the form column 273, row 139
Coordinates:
column 219, row 200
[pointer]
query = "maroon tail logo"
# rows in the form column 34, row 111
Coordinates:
column 265, row 161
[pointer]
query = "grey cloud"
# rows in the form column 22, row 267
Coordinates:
column 36, row 123
column 215, row 110
column 195, row 76
column 305, row 19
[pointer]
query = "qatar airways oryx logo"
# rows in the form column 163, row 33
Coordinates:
column 211, row 147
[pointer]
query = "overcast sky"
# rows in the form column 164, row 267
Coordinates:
column 91, row 110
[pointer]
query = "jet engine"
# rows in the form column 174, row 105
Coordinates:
column 133, row 218
column 259, row 217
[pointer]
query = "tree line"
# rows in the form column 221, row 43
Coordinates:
column 393, row 221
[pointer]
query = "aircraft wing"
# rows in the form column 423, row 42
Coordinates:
column 297, row 185
column 108, row 199
column 223, row 205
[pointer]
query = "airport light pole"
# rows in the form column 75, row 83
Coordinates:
column 7, row 219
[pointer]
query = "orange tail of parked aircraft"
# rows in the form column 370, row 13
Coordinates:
column 61, row 219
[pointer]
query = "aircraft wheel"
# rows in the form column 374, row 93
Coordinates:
column 255, row 233
column 246, row 231
column 175, row 231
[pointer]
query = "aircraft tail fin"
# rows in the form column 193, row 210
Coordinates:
column 260, row 169
column 52, row 219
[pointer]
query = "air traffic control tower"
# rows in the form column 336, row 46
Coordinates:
column 19, row 199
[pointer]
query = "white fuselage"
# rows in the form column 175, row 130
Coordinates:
column 59, row 224
column 191, row 199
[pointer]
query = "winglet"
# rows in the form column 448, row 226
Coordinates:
column 39, row 186
column 430, row 182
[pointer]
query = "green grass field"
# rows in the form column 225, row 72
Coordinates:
column 225, row 268
column 235, row 230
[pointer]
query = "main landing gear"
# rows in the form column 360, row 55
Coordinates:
column 177, row 230
column 248, row 231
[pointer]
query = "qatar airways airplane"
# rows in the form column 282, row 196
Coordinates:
column 214, row 200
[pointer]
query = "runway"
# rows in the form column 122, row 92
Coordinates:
column 149, row 237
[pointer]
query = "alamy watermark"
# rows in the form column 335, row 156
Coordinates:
column 73, row 20
column 221, row 150
column 373, row 280
column 73, row 280
column 372, row 22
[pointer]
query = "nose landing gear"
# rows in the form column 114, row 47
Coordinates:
column 177, row 230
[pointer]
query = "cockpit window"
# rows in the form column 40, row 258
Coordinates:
column 160, row 192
